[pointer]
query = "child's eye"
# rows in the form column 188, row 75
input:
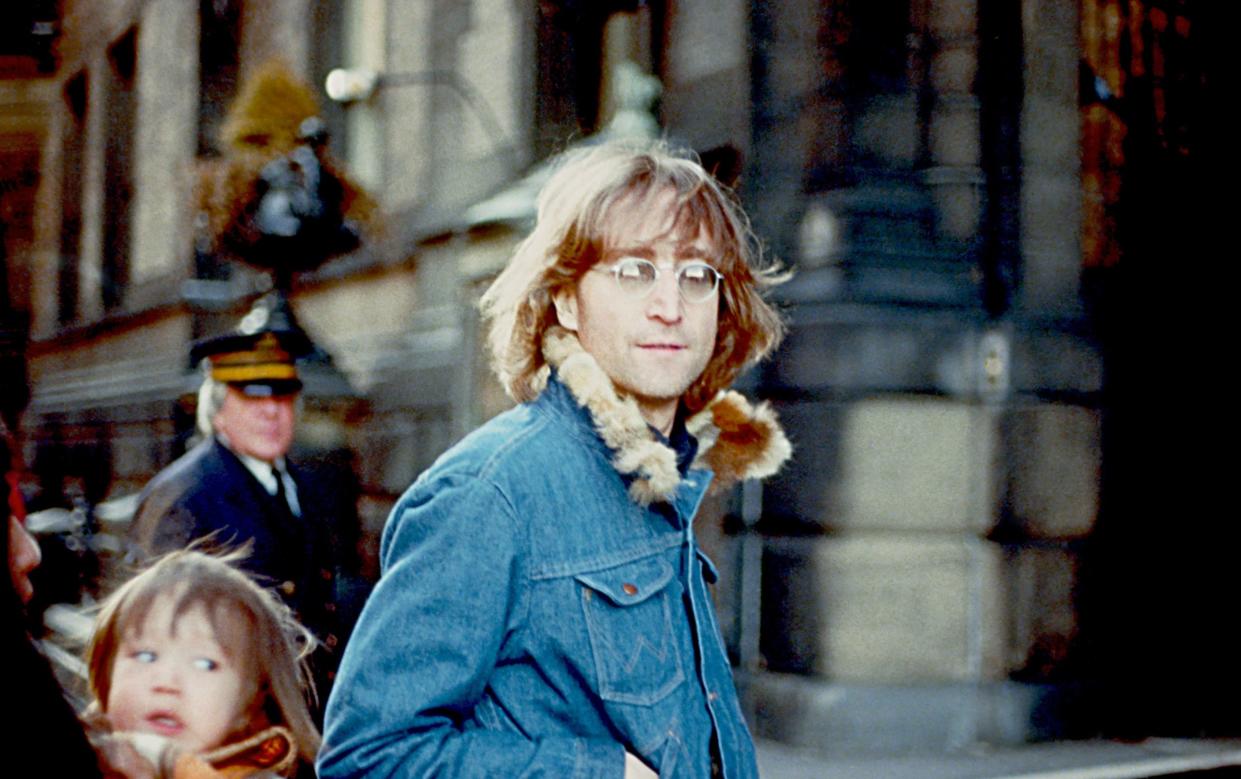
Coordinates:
column 206, row 664
column 143, row 656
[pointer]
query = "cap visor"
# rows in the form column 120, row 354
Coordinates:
column 269, row 388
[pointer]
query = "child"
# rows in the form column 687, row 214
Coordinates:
column 201, row 671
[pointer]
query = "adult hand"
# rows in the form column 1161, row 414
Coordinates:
column 636, row 769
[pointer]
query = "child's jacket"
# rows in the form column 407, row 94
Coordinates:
column 268, row 753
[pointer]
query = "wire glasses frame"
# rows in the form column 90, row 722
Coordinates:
column 636, row 277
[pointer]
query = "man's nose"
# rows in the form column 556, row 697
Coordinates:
column 664, row 302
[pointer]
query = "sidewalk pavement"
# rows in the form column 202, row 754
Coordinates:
column 1058, row 760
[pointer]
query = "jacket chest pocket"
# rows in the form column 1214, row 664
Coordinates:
column 629, row 613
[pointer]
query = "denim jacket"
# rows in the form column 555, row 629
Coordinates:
column 541, row 610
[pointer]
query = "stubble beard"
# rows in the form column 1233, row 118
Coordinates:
column 655, row 393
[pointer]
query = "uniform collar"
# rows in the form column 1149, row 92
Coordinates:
column 261, row 469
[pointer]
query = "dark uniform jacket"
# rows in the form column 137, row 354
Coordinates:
column 210, row 492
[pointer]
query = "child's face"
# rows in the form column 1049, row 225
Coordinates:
column 171, row 677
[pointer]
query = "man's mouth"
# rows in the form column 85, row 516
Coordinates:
column 662, row 347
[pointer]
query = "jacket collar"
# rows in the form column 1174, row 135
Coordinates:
column 736, row 439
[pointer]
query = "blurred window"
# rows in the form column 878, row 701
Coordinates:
column 73, row 142
column 119, row 100
column 219, row 44
column 573, row 54
column 360, row 41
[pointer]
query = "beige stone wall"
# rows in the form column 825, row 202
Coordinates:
column 1054, row 462
column 911, row 581
column 90, row 246
column 276, row 28
column 90, row 25
column 1051, row 155
column 879, row 607
column 896, row 578
column 493, row 62
column 164, row 142
column 119, row 351
column 917, row 464
column 940, row 465
column 707, row 72
column 909, row 608
column 452, row 121
column 954, row 124
column 409, row 112
column 355, row 318
column 27, row 119
column 166, row 86
column 1041, row 616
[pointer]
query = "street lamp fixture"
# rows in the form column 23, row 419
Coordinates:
column 351, row 85
column 355, row 85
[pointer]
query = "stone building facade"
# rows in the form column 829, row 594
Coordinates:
column 917, row 577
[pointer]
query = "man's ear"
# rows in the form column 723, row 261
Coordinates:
column 565, row 302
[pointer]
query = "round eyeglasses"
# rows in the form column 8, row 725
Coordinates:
column 636, row 277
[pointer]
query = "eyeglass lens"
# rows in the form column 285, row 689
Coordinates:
column 696, row 281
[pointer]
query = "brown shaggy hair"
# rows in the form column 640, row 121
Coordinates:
column 251, row 624
column 571, row 234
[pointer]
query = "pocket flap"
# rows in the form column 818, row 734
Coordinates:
column 630, row 583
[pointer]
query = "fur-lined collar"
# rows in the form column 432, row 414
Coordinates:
column 736, row 440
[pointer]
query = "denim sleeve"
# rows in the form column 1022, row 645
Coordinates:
column 427, row 643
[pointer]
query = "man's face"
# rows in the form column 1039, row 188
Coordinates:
column 259, row 427
column 652, row 347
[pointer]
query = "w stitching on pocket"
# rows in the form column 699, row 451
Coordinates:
column 628, row 613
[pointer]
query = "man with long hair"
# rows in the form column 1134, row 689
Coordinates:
column 543, row 608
